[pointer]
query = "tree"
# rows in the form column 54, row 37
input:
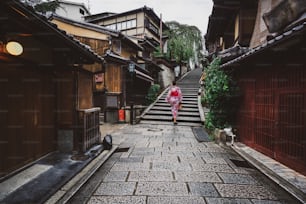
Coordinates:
column 153, row 93
column 47, row 6
column 43, row 6
column 185, row 42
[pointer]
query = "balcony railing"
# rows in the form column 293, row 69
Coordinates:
column 89, row 129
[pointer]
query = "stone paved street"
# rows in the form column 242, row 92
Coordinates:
column 166, row 164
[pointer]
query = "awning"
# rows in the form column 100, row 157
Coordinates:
column 150, row 63
column 143, row 76
column 111, row 57
column 155, row 66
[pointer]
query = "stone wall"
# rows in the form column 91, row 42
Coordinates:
column 166, row 76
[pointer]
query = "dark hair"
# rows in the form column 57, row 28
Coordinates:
column 174, row 83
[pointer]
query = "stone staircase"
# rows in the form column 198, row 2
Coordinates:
column 160, row 111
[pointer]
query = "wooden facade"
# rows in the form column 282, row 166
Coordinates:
column 230, row 28
column 271, row 75
column 111, row 80
column 143, row 26
column 272, row 117
column 28, row 125
column 41, row 89
column 141, row 22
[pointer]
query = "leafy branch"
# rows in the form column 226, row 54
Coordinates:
column 44, row 7
column 185, row 42
column 221, row 94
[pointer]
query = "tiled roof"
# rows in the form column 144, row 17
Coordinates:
column 270, row 43
column 114, row 57
column 87, row 25
column 98, row 28
column 140, row 72
column 42, row 20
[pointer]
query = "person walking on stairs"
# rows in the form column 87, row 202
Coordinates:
column 174, row 98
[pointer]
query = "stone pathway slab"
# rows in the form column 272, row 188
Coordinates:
column 162, row 189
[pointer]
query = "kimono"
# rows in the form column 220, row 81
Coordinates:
column 174, row 98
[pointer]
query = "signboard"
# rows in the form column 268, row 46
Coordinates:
column 150, row 26
column 99, row 77
column 112, row 101
column 131, row 67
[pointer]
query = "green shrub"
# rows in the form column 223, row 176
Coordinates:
column 152, row 93
column 203, row 101
column 221, row 94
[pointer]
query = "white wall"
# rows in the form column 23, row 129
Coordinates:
column 71, row 11
column 177, row 71
column 166, row 77
column 184, row 70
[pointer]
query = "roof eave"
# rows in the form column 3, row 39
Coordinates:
column 41, row 20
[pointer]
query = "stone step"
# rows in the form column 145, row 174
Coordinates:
column 169, row 118
column 187, row 98
column 185, row 94
column 190, row 91
column 160, row 112
column 155, row 122
column 168, row 112
column 182, row 85
column 191, row 101
column 184, row 98
column 189, row 86
column 184, row 105
column 188, row 109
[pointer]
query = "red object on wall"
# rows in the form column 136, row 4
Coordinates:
column 121, row 115
column 99, row 77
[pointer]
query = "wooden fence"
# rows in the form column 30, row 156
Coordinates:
column 89, row 128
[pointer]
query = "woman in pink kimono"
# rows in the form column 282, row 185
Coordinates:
column 174, row 97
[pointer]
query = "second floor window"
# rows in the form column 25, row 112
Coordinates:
column 124, row 25
column 82, row 11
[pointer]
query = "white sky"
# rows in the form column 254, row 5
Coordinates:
column 191, row 12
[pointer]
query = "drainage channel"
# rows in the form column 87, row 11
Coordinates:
column 84, row 190
column 241, row 163
column 122, row 149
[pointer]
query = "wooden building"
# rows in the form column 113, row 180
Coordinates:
column 46, row 92
column 271, row 73
column 114, row 87
column 145, row 28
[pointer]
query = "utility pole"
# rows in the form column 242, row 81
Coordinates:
column 161, row 33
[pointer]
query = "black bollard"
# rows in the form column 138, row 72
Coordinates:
column 107, row 142
column 132, row 114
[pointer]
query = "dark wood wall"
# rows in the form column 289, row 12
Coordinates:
column 85, row 88
column 27, row 116
column 272, row 116
column 36, row 103
column 66, row 86
column 113, row 77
